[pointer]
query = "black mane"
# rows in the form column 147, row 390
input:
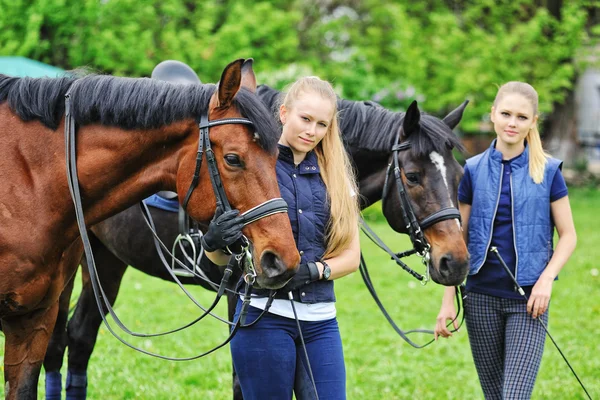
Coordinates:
column 366, row 125
column 128, row 103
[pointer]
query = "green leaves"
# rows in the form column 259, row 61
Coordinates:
column 390, row 51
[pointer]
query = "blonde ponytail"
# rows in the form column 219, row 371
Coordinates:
column 537, row 156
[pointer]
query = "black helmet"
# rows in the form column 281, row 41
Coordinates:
column 175, row 72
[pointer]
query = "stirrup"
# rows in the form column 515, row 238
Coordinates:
column 191, row 260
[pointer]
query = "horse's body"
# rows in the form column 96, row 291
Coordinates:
column 136, row 137
column 369, row 133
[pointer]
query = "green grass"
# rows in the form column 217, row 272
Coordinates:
column 379, row 364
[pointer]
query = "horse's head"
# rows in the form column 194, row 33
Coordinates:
column 245, row 155
column 429, row 174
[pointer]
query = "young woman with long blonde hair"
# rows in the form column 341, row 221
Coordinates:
column 316, row 180
column 512, row 197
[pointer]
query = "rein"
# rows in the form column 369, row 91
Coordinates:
column 460, row 294
column 243, row 257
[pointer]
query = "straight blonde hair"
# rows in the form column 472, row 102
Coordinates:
column 537, row 156
column 336, row 169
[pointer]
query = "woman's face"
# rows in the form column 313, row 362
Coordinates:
column 513, row 118
column 306, row 123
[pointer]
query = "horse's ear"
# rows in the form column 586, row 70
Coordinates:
column 248, row 77
column 455, row 116
column 412, row 119
column 230, row 82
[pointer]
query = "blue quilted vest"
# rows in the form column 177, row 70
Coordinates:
column 308, row 209
column 533, row 228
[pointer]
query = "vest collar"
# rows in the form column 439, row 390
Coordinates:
column 309, row 165
column 520, row 161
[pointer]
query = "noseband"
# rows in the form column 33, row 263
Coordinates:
column 415, row 228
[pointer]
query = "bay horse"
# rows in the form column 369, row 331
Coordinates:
column 430, row 172
column 136, row 137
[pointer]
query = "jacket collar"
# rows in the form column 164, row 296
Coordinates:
column 309, row 165
column 520, row 161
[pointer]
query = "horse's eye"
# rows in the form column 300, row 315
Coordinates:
column 233, row 160
column 413, row 177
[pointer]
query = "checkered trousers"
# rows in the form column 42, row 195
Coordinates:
column 507, row 345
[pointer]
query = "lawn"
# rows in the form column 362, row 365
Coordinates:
column 380, row 365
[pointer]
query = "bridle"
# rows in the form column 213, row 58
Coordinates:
column 242, row 257
column 414, row 227
column 269, row 207
column 420, row 245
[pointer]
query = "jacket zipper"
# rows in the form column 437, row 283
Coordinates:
column 493, row 218
column 512, row 211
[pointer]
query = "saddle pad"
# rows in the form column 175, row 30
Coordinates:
column 164, row 204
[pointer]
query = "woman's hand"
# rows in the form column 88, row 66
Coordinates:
column 224, row 229
column 447, row 312
column 306, row 274
column 540, row 296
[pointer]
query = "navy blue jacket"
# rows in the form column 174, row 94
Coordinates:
column 308, row 209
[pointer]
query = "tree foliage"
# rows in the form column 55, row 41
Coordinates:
column 392, row 51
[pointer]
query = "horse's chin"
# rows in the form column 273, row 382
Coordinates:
column 272, row 283
column 272, row 270
column 453, row 277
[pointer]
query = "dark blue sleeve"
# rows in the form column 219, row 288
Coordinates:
column 559, row 187
column 465, row 188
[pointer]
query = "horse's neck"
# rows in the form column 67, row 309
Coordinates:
column 118, row 168
column 371, row 168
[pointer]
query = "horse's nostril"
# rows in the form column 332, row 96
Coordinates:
column 445, row 262
column 271, row 264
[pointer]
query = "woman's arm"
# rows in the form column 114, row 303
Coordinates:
column 217, row 257
column 567, row 240
column 448, row 311
column 344, row 263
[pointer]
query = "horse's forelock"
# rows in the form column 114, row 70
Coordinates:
column 434, row 135
column 251, row 107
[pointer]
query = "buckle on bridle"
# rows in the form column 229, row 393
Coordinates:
column 248, row 265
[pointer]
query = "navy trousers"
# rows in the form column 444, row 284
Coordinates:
column 507, row 345
column 271, row 364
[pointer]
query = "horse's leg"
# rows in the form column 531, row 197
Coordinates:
column 27, row 335
column 231, row 303
column 56, row 348
column 83, row 326
column 27, row 338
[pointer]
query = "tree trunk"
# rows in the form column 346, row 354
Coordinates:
column 559, row 132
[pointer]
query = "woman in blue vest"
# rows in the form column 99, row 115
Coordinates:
column 512, row 196
column 316, row 180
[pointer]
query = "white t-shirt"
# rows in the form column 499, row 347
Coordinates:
column 306, row 312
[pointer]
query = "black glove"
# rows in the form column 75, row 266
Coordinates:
column 306, row 274
column 224, row 229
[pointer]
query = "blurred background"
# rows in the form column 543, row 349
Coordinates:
column 439, row 52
